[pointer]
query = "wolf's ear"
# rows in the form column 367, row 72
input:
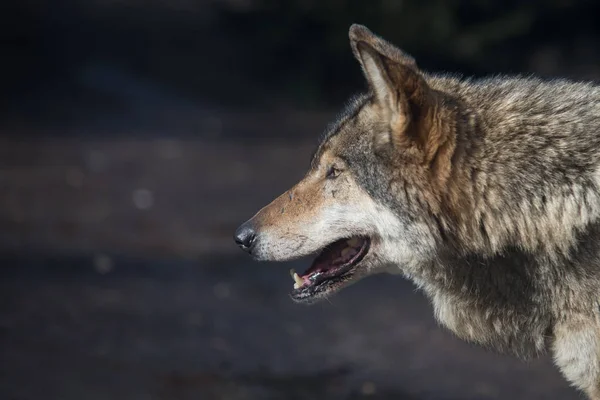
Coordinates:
column 386, row 67
column 393, row 77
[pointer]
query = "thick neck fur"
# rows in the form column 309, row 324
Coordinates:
column 515, row 180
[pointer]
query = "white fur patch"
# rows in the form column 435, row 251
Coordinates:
column 576, row 353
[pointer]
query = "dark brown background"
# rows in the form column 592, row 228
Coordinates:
column 136, row 135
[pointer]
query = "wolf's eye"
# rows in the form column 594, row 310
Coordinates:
column 333, row 172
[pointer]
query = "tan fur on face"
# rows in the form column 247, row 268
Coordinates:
column 299, row 204
column 311, row 215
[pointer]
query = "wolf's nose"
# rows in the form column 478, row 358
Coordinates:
column 244, row 237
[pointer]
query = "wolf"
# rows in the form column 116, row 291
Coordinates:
column 485, row 193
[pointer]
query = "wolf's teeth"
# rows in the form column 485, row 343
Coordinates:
column 299, row 281
column 353, row 242
column 292, row 272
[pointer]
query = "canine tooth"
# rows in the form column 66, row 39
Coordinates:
column 292, row 272
column 299, row 281
column 354, row 242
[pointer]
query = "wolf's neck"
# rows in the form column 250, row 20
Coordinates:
column 513, row 190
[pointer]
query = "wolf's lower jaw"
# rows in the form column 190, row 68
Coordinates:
column 334, row 262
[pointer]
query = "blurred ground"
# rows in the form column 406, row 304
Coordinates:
column 224, row 328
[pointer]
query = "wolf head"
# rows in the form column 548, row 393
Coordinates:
column 375, row 185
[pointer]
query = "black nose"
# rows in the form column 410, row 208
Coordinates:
column 244, row 236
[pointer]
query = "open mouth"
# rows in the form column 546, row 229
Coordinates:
column 333, row 264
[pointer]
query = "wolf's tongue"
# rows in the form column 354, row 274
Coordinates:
column 335, row 255
column 331, row 261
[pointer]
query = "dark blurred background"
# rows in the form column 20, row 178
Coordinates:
column 136, row 135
